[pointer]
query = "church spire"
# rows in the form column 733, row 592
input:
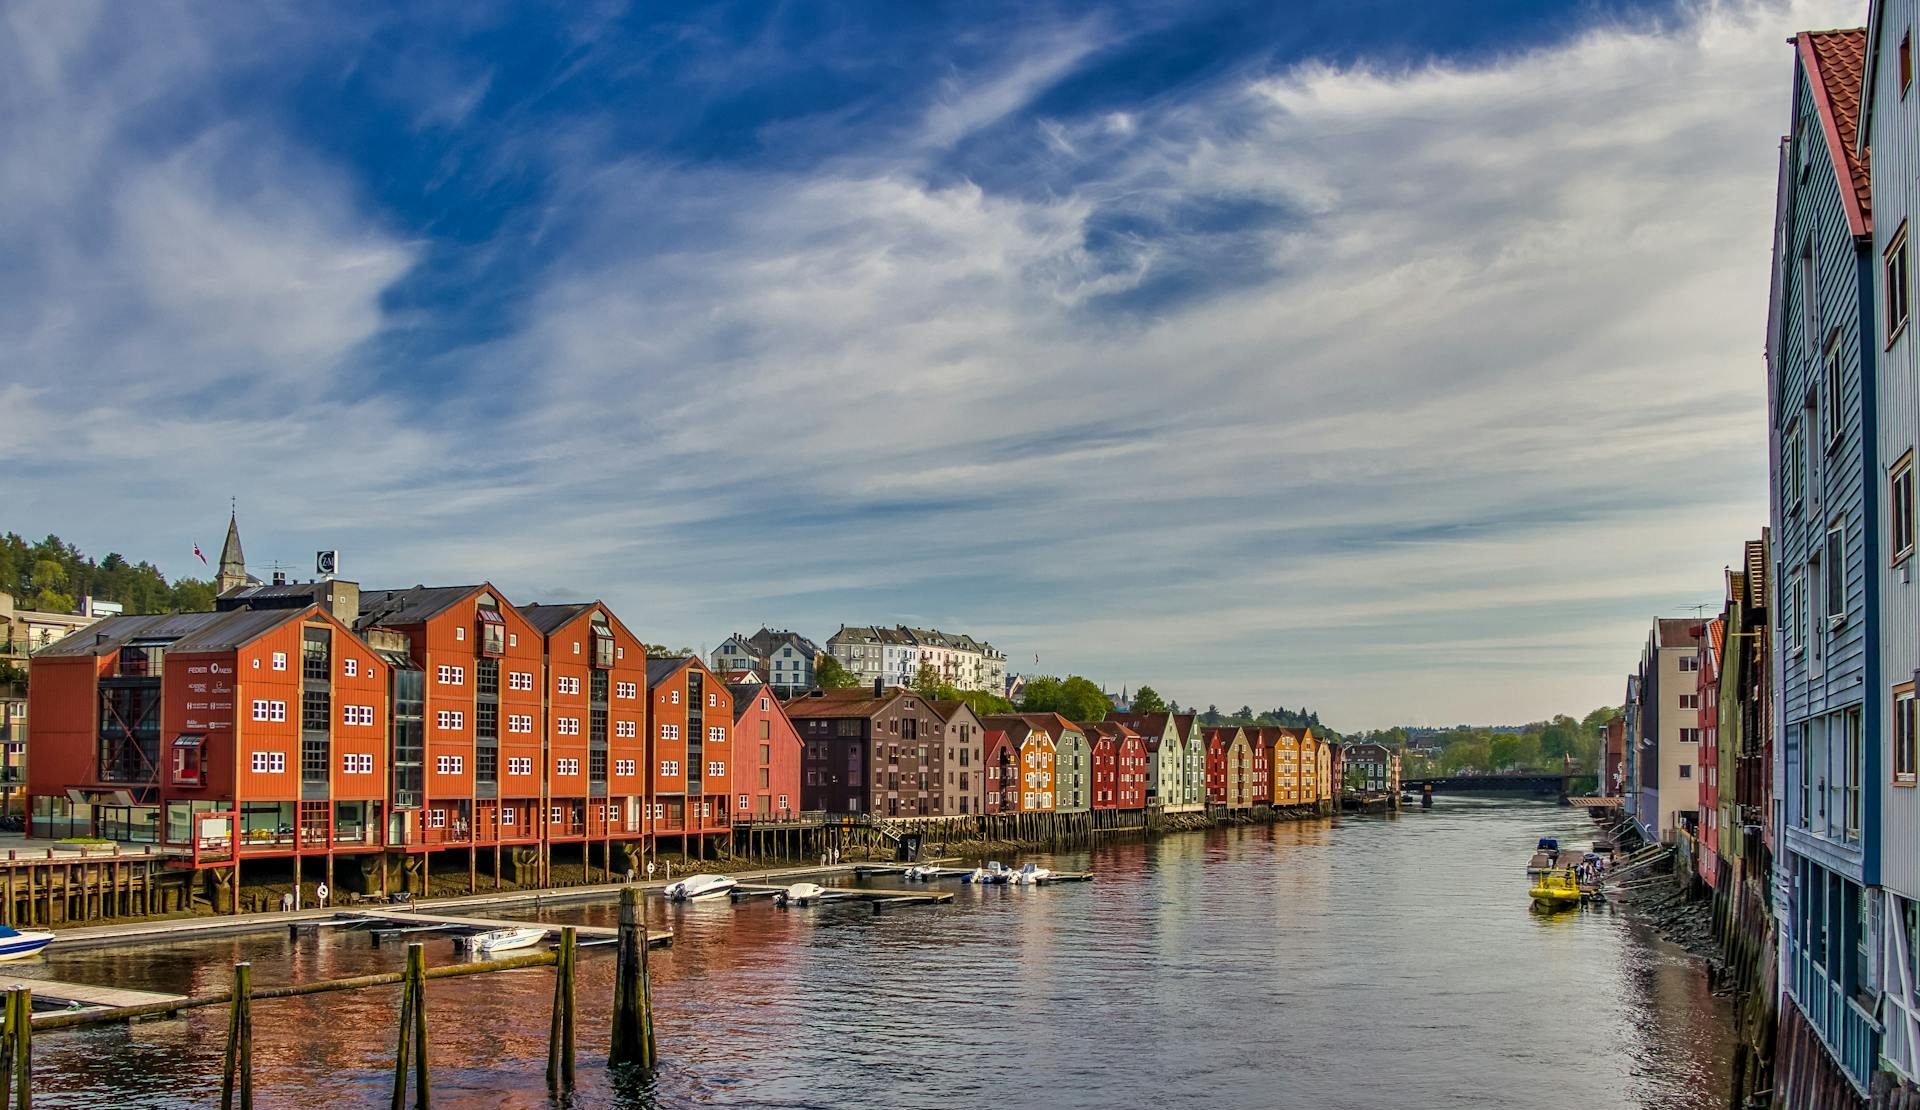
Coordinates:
column 233, row 564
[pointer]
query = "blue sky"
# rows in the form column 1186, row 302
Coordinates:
column 1398, row 359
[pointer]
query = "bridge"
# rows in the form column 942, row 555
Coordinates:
column 1545, row 784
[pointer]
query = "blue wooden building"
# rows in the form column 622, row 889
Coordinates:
column 1825, row 488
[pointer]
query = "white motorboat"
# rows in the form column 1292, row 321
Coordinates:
column 979, row 876
column 15, row 944
column 1029, row 875
column 695, row 887
column 995, row 873
column 503, row 940
column 801, row 894
column 922, row 873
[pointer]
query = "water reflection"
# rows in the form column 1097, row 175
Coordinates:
column 1359, row 963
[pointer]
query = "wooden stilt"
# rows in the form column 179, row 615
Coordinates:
column 413, row 1033
column 633, row 1042
column 560, row 1037
column 20, row 1043
column 239, row 1065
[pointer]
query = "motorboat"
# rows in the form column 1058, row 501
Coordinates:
column 15, row 944
column 922, row 873
column 1556, row 890
column 504, row 940
column 1030, row 875
column 978, row 875
column 801, row 894
column 695, row 887
column 993, row 873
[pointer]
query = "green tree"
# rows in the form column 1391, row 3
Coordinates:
column 984, row 702
column 1147, row 700
column 1211, row 717
column 1244, row 716
column 926, row 682
column 49, row 578
column 829, row 674
column 1075, row 698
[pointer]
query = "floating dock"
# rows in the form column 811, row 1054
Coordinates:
column 965, row 873
column 52, row 994
column 878, row 899
column 394, row 921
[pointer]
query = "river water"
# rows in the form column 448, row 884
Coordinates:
column 1361, row 962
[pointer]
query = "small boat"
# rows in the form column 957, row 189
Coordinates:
column 800, row 894
column 1557, row 890
column 700, row 886
column 15, row 944
column 1029, row 875
column 922, row 873
column 979, row 875
column 503, row 940
column 995, row 873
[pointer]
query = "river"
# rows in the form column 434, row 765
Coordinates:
column 1364, row 962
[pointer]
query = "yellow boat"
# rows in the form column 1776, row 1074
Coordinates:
column 1557, row 890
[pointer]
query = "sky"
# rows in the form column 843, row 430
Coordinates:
column 1397, row 359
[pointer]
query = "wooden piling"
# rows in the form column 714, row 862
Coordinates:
column 632, row 992
column 560, row 1037
column 20, row 1047
column 413, row 1033
column 239, row 1064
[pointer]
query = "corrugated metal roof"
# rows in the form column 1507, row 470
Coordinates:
column 242, row 627
column 661, row 669
column 217, row 631
column 549, row 618
column 399, row 608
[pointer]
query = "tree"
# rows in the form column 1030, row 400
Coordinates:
column 1211, row 717
column 1245, row 715
column 48, row 579
column 1076, row 698
column 829, row 674
column 1147, row 700
column 984, row 702
column 926, row 682
column 662, row 651
column 1173, row 707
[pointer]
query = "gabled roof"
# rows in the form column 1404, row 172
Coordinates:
column 399, row 608
column 948, row 709
column 743, row 696
column 550, row 618
column 1019, row 725
column 1184, row 722
column 224, row 630
column 1836, row 65
column 661, row 669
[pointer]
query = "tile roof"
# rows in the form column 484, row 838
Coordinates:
column 1838, row 61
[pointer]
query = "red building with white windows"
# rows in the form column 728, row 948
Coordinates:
column 690, row 730
column 766, row 775
column 1712, row 647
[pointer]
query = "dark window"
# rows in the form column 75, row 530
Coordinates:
column 602, row 649
column 493, row 634
column 1906, row 62
column 314, row 765
column 316, row 707
column 1897, row 292
column 597, row 688
column 597, row 724
column 486, row 720
column 486, row 763
column 313, row 656
column 486, row 676
column 597, row 765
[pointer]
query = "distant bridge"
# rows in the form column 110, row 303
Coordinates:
column 1539, row 783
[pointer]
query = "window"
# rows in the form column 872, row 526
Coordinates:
column 1793, row 467
column 261, row 762
column 279, row 660
column 350, row 667
column 437, row 819
column 624, row 690
column 452, row 720
column 519, row 680
column 1900, row 508
column 1690, row 662
column 354, row 764
column 519, row 765
column 452, row 676
column 1895, row 264
column 1836, row 572
column 716, row 770
column 566, row 685
column 625, row 729
column 1904, row 764
column 713, row 700
column 260, row 709
column 566, row 726
column 1836, row 385
column 669, row 732
column 623, row 766
column 744, row 802
column 1689, row 701
column 450, row 764
column 506, row 817
column 459, row 632
column 1906, row 62
column 566, row 767
column 717, row 734
column 673, row 697
column 1689, row 736
column 1686, row 770
column 356, row 714
column 276, row 711
column 1850, row 722
column 519, row 722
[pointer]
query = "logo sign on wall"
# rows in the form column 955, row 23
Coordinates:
column 326, row 564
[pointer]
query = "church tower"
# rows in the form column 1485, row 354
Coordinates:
column 233, row 564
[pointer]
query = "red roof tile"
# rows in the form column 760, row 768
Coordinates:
column 1838, row 60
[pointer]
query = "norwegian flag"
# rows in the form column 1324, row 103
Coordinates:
column 197, row 554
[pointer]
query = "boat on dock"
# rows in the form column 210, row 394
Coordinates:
column 695, row 887
column 1031, row 875
column 800, row 894
column 922, row 873
column 992, row 873
column 501, row 940
column 15, row 945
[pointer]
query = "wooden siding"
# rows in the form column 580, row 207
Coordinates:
column 1894, row 136
column 1837, row 667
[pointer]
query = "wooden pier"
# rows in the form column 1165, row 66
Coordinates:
column 964, row 873
column 52, row 994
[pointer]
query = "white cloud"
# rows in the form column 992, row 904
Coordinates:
column 1461, row 390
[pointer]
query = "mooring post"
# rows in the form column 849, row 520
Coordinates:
column 560, row 1042
column 239, row 1063
column 20, row 1041
column 632, row 993
column 417, row 973
column 11, row 1012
